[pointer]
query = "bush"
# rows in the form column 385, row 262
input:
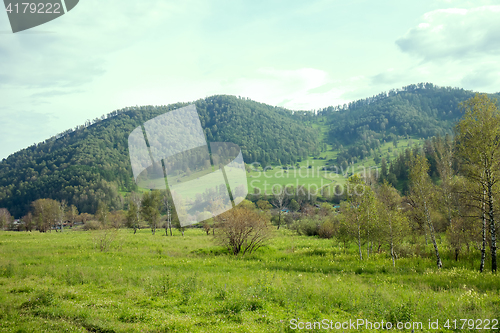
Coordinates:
column 326, row 230
column 242, row 230
column 92, row 225
column 307, row 226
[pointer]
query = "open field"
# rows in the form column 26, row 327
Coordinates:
column 57, row 282
column 311, row 175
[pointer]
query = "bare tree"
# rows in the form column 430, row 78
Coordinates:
column 61, row 214
column 5, row 218
column 279, row 201
column 84, row 217
column 28, row 221
column 242, row 230
column 72, row 214
column 117, row 219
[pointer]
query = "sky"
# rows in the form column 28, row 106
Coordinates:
column 303, row 55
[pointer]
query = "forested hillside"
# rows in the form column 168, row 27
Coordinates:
column 422, row 110
column 91, row 163
column 419, row 110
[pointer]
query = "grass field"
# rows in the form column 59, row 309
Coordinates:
column 59, row 282
column 310, row 173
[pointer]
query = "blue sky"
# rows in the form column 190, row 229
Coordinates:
column 105, row 55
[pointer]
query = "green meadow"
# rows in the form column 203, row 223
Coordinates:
column 310, row 173
column 62, row 282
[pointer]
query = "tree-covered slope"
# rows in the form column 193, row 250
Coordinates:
column 91, row 163
column 422, row 110
column 358, row 129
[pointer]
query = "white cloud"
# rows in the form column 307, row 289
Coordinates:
column 454, row 33
column 299, row 89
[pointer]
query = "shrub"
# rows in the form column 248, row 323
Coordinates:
column 326, row 230
column 242, row 230
column 307, row 226
column 92, row 225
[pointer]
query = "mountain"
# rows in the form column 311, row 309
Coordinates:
column 419, row 110
column 91, row 163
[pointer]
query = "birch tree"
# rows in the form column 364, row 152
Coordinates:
column 421, row 191
column 478, row 146
column 395, row 225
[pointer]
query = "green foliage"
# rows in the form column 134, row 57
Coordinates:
column 422, row 111
column 91, row 164
column 294, row 205
column 150, row 208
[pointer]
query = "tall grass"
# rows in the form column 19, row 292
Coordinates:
column 60, row 282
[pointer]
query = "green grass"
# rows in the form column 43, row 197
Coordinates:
column 313, row 177
column 57, row 282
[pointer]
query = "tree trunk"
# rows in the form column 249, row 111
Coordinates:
column 359, row 238
column 392, row 243
column 492, row 228
column 433, row 237
column 425, row 235
column 483, row 234
column 368, row 236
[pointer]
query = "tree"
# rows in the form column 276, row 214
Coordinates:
column 397, row 224
column 117, row 218
column 359, row 213
column 29, row 222
column 294, row 205
column 5, row 218
column 177, row 224
column 61, row 213
column 102, row 214
column 168, row 204
column 242, row 230
column 207, row 225
column 443, row 155
column 383, row 169
column 279, row 201
column 421, row 192
column 245, row 203
column 134, row 210
column 150, row 209
column 72, row 214
column 46, row 212
column 478, row 145
column 84, row 217
column 264, row 205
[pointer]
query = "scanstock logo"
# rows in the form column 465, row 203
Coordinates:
column 171, row 150
column 26, row 14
